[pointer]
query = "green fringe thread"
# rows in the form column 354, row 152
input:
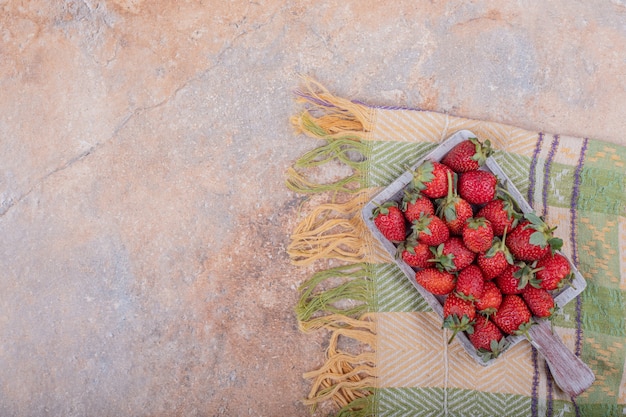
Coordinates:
column 347, row 150
column 358, row 288
column 361, row 407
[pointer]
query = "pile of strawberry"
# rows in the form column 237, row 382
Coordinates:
column 495, row 269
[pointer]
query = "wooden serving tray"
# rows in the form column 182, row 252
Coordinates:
column 549, row 345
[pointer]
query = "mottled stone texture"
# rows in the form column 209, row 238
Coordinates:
column 143, row 144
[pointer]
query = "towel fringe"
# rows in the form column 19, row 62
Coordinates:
column 345, row 377
column 300, row 184
column 360, row 407
column 339, row 299
column 329, row 116
column 355, row 288
column 336, row 231
column 349, row 152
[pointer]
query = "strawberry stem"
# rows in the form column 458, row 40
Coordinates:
column 450, row 187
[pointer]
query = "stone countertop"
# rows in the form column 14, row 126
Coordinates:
column 143, row 146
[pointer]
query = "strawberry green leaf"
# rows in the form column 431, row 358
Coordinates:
column 567, row 280
column 509, row 257
column 423, row 175
column 491, row 252
column 555, row 243
column 539, row 239
column 450, row 213
column 533, row 218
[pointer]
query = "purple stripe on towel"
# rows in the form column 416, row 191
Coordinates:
column 576, row 408
column 573, row 212
column 387, row 107
column 574, row 201
column 546, row 174
column 313, row 99
column 549, row 405
column 573, row 207
column 531, row 192
column 325, row 103
column 533, row 404
column 531, row 174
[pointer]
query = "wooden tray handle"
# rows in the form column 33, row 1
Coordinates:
column 570, row 373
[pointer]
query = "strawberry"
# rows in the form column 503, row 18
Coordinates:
column 516, row 277
column 453, row 210
column 487, row 339
column 468, row 155
column 458, row 315
column 539, row 301
column 478, row 234
column 470, row 284
column 496, row 259
column 430, row 230
column 455, row 250
column 513, row 316
column 491, row 299
column 390, row 221
column 414, row 204
column 501, row 213
column 415, row 254
column 435, row 281
column 477, row 187
column 532, row 239
column 431, row 179
column 556, row 271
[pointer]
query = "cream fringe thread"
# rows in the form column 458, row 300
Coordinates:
column 337, row 231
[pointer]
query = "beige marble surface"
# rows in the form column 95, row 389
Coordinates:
column 143, row 144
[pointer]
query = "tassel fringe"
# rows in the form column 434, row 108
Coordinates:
column 298, row 183
column 345, row 377
column 337, row 231
column 341, row 149
column 339, row 299
column 357, row 288
column 360, row 407
column 344, row 125
column 336, row 116
column 349, row 152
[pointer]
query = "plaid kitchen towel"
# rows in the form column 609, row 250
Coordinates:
column 387, row 353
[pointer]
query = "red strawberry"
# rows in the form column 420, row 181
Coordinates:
column 415, row 254
column 513, row 316
column 468, row 155
column 390, row 221
column 430, row 230
column 435, row 281
column 458, row 315
column 478, row 234
column 501, row 213
column 454, row 254
column 453, row 210
column 532, row 239
column 539, row 301
column 556, row 271
column 414, row 204
column 470, row 284
column 496, row 259
column 515, row 278
column 477, row 187
column 487, row 339
column 431, row 179
column 490, row 300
